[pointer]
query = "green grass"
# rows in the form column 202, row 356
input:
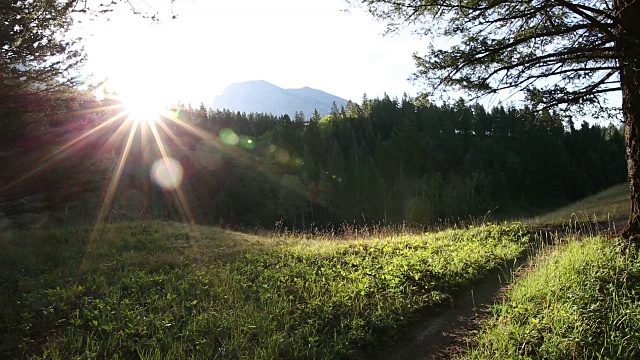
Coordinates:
column 608, row 205
column 156, row 290
column 580, row 303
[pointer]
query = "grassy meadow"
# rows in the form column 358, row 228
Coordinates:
column 156, row 290
column 582, row 302
column 608, row 205
column 163, row 290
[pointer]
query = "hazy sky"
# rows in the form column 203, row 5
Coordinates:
column 211, row 44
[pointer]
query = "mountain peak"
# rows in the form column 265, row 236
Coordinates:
column 262, row 96
column 253, row 82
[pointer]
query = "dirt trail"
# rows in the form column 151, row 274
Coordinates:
column 446, row 332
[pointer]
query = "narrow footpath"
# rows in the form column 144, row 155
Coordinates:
column 448, row 331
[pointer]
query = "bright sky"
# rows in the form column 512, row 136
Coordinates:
column 211, row 44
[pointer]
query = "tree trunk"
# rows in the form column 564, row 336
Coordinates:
column 628, row 18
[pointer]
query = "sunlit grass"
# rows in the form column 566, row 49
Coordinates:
column 608, row 205
column 581, row 303
column 156, row 290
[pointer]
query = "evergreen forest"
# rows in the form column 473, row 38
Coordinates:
column 384, row 161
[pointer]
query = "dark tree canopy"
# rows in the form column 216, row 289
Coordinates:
column 559, row 52
column 382, row 161
column 36, row 56
column 562, row 54
column 38, row 91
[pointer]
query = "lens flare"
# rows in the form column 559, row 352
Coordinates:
column 167, row 173
column 247, row 143
column 229, row 137
column 283, row 156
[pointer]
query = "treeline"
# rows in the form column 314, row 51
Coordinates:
column 384, row 161
column 392, row 160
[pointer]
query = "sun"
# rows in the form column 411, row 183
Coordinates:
column 142, row 106
column 141, row 86
column 142, row 103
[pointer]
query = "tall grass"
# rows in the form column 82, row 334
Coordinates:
column 152, row 290
column 580, row 303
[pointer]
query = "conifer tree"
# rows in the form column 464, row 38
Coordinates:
column 562, row 54
column 38, row 63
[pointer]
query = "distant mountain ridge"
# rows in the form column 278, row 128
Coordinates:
column 262, row 96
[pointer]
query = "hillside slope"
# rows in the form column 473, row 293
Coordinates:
column 608, row 205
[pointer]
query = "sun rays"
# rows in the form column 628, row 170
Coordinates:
column 117, row 174
column 147, row 144
column 166, row 171
column 169, row 172
column 129, row 125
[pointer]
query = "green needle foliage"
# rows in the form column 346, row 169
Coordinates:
column 38, row 64
column 561, row 54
